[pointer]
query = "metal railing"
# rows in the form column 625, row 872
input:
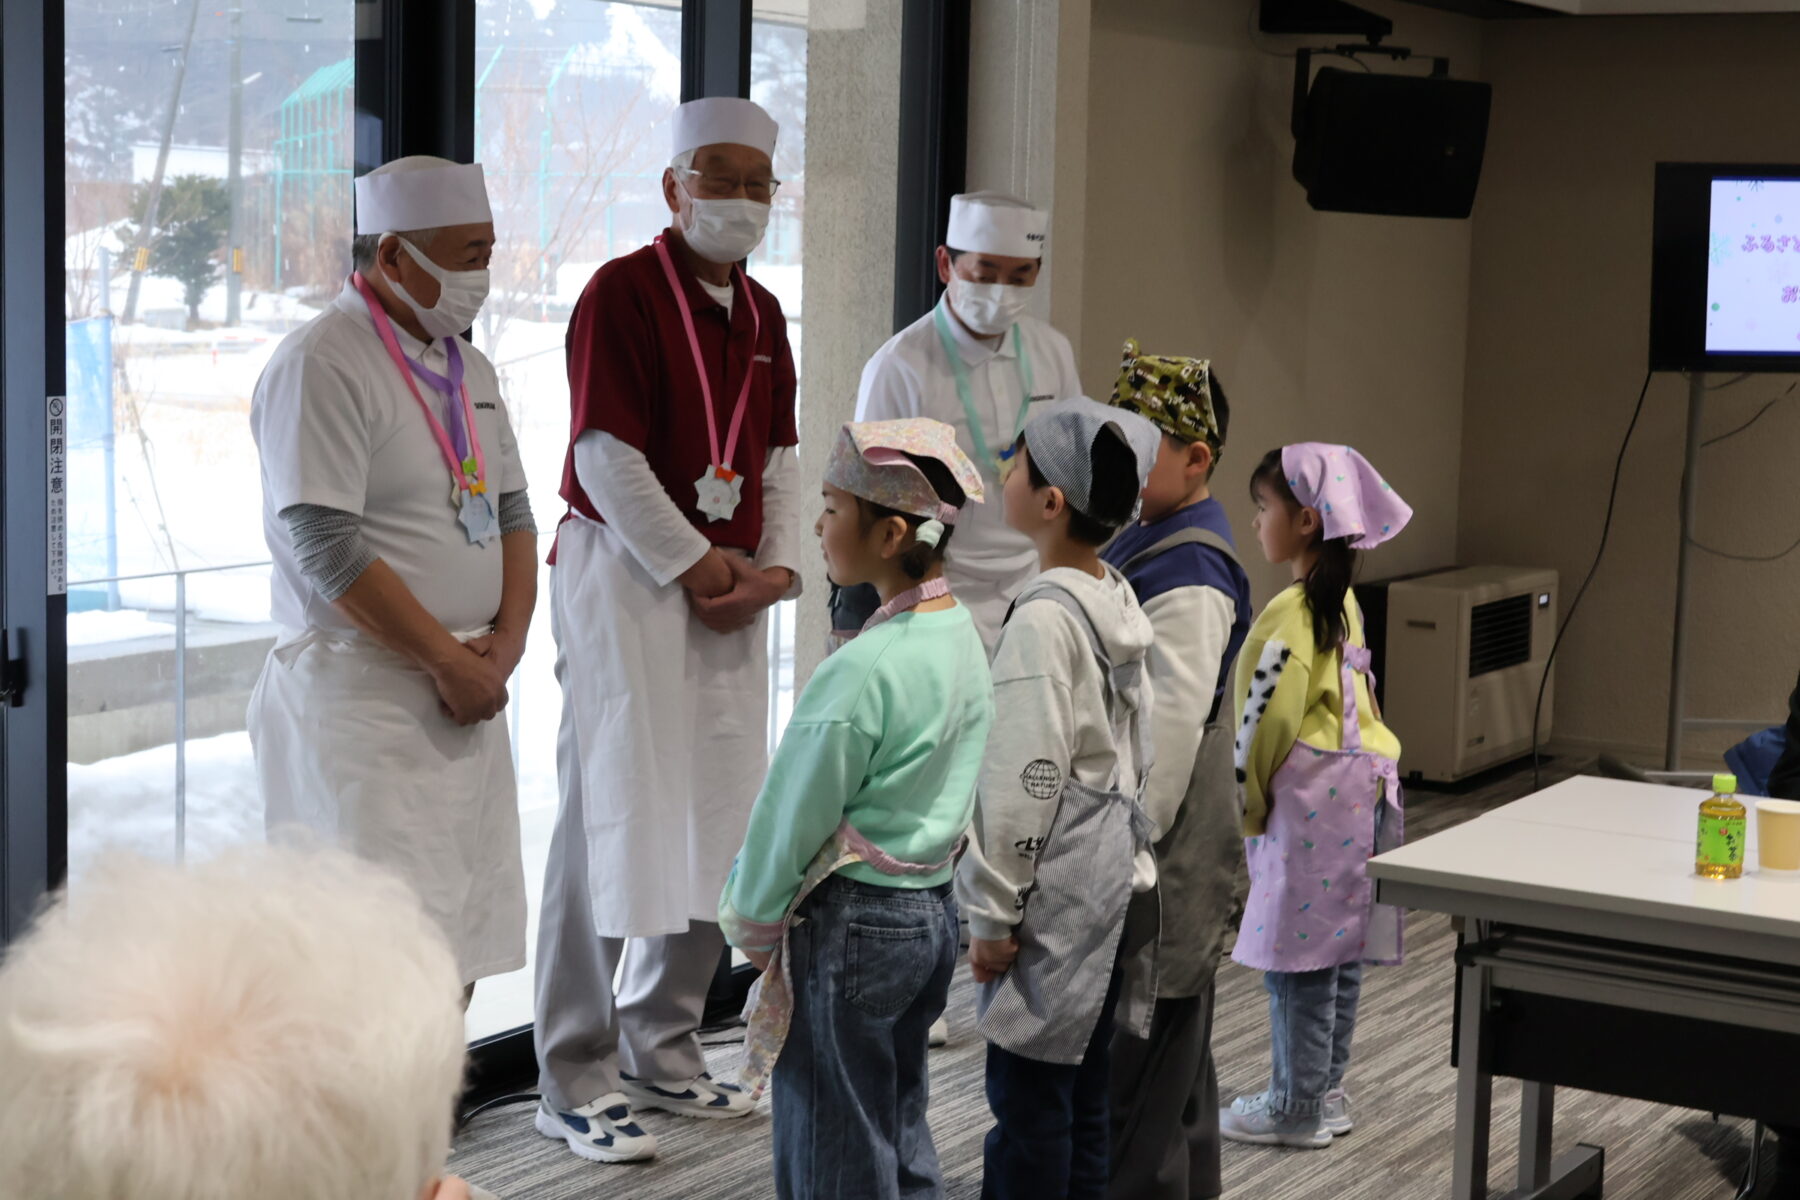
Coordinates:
column 516, row 702
column 180, row 575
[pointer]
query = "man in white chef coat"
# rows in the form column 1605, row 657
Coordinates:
column 682, row 531
column 977, row 362
column 395, row 509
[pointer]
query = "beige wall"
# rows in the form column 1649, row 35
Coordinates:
column 1322, row 325
column 1558, row 317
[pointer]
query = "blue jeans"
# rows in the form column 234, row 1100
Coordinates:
column 1312, row 1016
column 1052, row 1131
column 871, row 968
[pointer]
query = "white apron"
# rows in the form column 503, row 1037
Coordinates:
column 350, row 743
column 670, row 723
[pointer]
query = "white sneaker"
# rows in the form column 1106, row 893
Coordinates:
column 1250, row 1122
column 604, row 1131
column 940, row 1032
column 701, row 1096
column 1336, row 1112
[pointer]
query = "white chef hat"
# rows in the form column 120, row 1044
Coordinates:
column 717, row 120
column 421, row 192
column 996, row 223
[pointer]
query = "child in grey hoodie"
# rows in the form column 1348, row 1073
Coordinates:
column 1060, row 844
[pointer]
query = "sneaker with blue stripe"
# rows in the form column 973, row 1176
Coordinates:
column 604, row 1131
column 701, row 1096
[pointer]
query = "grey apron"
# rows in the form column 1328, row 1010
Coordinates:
column 1199, row 856
column 1081, row 919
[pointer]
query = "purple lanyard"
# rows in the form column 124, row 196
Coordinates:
column 451, row 390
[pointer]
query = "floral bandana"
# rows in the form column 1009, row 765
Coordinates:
column 870, row 461
column 1353, row 500
column 1174, row 394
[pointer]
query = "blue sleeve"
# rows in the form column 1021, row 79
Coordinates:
column 1190, row 565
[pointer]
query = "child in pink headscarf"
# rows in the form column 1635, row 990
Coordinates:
column 1321, row 783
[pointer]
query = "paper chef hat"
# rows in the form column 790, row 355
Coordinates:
column 995, row 223
column 421, row 192
column 718, row 120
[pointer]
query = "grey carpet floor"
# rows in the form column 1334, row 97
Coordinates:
column 1400, row 1077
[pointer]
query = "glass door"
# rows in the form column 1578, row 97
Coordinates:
column 207, row 160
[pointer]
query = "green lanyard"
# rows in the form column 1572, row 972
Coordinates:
column 983, row 454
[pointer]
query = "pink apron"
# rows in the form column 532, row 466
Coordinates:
column 1312, row 904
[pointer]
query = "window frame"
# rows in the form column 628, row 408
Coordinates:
column 414, row 91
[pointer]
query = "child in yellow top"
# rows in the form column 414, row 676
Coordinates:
column 1321, row 788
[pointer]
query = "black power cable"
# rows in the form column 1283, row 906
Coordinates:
column 1612, row 499
column 1697, row 544
column 1760, row 414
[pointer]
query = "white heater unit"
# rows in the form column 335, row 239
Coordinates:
column 1459, row 655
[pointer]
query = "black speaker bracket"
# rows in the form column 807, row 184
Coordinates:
column 1322, row 17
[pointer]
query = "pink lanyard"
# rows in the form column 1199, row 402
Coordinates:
column 931, row 589
column 743, row 401
column 463, row 482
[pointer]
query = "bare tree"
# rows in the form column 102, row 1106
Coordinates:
column 594, row 128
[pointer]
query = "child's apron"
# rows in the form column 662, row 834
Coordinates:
column 769, row 1012
column 1312, row 904
column 1047, row 1004
column 1198, row 857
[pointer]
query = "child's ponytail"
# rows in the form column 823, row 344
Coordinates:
column 1325, row 587
column 918, row 559
column 1328, row 582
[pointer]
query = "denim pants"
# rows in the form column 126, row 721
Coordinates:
column 1312, row 1015
column 871, row 968
column 1052, row 1131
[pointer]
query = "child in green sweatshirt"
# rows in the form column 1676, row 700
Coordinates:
column 842, row 891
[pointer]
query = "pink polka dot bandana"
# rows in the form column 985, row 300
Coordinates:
column 1353, row 500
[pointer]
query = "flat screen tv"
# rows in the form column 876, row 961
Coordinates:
column 1725, row 270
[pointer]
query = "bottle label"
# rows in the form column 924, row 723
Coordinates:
column 1721, row 841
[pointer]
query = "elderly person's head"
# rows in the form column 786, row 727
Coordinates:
column 721, row 181
column 275, row 1024
column 424, row 240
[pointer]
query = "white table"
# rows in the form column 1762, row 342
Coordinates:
column 1583, row 918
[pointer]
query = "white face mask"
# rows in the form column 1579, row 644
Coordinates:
column 725, row 231
column 460, row 296
column 989, row 309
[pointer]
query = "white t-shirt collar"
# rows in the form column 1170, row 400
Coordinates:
column 351, row 301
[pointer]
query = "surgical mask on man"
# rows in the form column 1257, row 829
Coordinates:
column 460, row 296
column 990, row 309
column 725, row 231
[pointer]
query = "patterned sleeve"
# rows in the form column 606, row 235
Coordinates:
column 1273, row 679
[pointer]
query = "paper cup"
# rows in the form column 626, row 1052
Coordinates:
column 1778, row 836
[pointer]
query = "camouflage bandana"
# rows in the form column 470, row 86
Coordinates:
column 1174, row 394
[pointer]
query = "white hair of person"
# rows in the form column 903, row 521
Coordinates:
column 364, row 246
column 682, row 163
column 279, row 1023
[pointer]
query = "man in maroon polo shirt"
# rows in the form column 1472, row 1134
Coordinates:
column 682, row 531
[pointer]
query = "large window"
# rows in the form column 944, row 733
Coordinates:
column 208, row 154
column 207, row 168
